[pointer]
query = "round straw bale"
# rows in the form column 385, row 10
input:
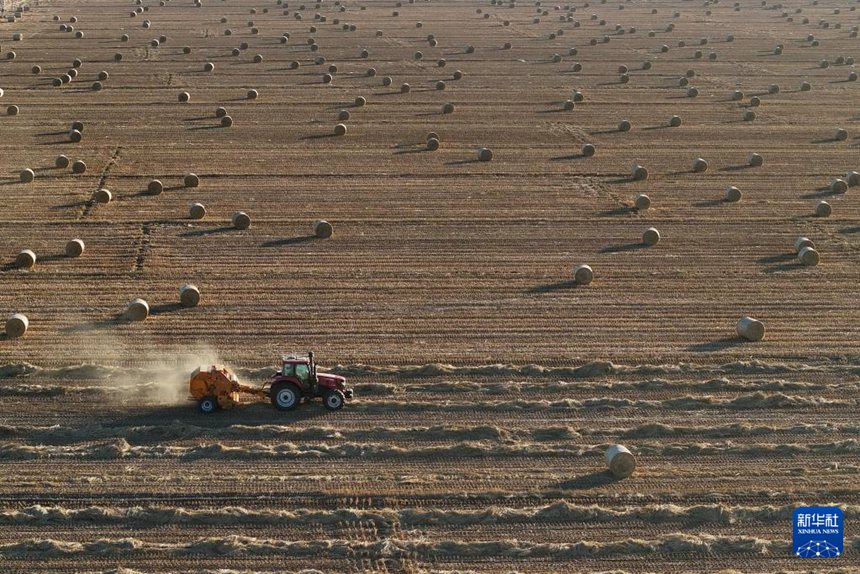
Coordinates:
column 692, row 92
column 294, row 65
column 405, row 88
column 802, row 242
column 25, row 259
column 432, row 135
column 73, row 73
column 343, row 115
column 56, row 82
column 440, row 85
column 186, row 50
column 448, row 108
column 327, row 78
column 737, row 96
column 808, row 256
column 441, row 63
column 117, row 57
column 387, row 80
column 507, row 46
column 322, row 229
column 360, row 101
column 102, row 196
column 75, row 136
column 432, row 144
column 74, row 248
column 191, row 180
column 208, row 67
column 840, row 134
column 418, row 55
column 624, row 78
column 639, row 173
column 189, row 295
column 371, row 72
column 184, row 97
column 675, row 121
column 838, row 185
column 252, row 94
column 750, row 329
column 683, row 82
column 258, row 58
column 624, row 126
column 220, row 112
column 136, row 310
column 569, row 105
column 16, row 325
column 65, row 78
column 97, row 86
column 578, row 97
column 733, row 194
column 587, row 150
column 62, row 161
column 642, row 202
column 852, row 178
column 749, row 116
column 10, row 55
column 241, row 220
column 755, row 102
column 226, row 122
column 700, row 165
column 235, row 51
column 823, row 209
column 197, row 211
column 755, row 160
column 651, row 236
column 123, row 38
column 620, row 461
column 12, row 111
column 773, row 89
column 583, row 275
column 27, row 175
column 79, row 166
column 36, row 69
column 485, row 154
column 340, row 129
column 155, row 187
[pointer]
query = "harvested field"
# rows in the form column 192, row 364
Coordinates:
column 488, row 382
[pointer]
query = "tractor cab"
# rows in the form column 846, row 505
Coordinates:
column 298, row 380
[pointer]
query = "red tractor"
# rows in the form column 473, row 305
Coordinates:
column 217, row 387
column 298, row 379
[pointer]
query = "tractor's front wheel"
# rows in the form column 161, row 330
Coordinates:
column 207, row 405
column 333, row 400
column 286, row 397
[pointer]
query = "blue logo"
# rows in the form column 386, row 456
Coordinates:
column 818, row 532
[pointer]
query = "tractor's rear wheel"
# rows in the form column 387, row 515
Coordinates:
column 286, row 397
column 207, row 405
column 333, row 400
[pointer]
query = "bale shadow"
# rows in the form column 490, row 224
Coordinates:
column 617, row 211
column 198, row 119
column 318, row 136
column 826, row 140
column 624, row 248
column 553, row 287
column 782, row 257
column 210, row 231
column 850, row 230
column 605, row 132
column 417, row 149
column 165, row 308
column 591, row 480
column 568, row 157
column 289, row 241
column 794, row 266
column 660, row 127
column 718, row 345
column 739, row 167
column 710, row 203
column 822, row 192
column 196, row 128
column 59, row 133
column 463, row 162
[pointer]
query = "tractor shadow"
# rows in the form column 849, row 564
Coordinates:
column 259, row 412
column 590, row 480
column 718, row 345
